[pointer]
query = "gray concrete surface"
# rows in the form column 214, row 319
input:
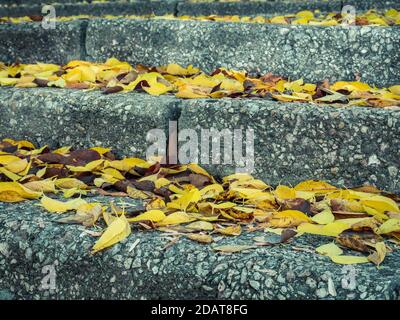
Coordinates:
column 294, row 142
column 30, row 42
column 311, row 52
column 64, row 117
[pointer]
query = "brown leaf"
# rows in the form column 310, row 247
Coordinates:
column 356, row 240
column 84, row 156
column 36, row 18
column 199, row 180
column 53, row 158
column 114, row 89
column 41, row 82
column 297, row 204
column 287, row 234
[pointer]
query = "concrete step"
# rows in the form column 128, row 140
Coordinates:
column 184, row 7
column 292, row 141
column 95, row 9
column 313, row 53
column 73, row 117
column 275, row 7
column 43, row 259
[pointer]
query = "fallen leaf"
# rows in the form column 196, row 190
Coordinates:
column 118, row 230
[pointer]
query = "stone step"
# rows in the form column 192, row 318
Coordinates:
column 72, row 117
column 33, row 247
column 182, row 7
column 96, row 9
column 292, row 142
column 313, row 53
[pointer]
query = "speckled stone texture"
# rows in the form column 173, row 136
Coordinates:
column 309, row 52
column 362, row 5
column 294, row 142
column 84, row 119
column 30, row 42
column 255, row 8
column 96, row 9
column 34, row 246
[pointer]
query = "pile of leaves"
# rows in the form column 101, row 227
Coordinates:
column 372, row 17
column 185, row 200
column 190, row 82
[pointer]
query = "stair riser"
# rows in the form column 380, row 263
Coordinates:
column 98, row 9
column 311, row 53
column 292, row 142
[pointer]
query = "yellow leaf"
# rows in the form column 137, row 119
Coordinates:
column 41, row 172
column 204, row 238
column 70, row 183
column 350, row 86
column 118, row 230
column 175, row 218
column 391, row 225
column 91, row 166
column 15, row 192
column 155, row 203
column 230, row 231
column 379, row 254
column 278, row 19
column 159, row 183
column 101, row 150
column 233, row 248
column 314, row 185
column 211, row 191
column 324, row 217
column 331, row 229
column 186, row 92
column 380, row 203
column 10, row 175
column 349, row 259
column 68, row 193
column 128, row 164
column 41, row 186
column 284, row 192
column 176, row 69
column 395, row 89
column 305, row 14
column 17, row 166
column 87, row 214
column 135, row 193
column 329, row 249
column 62, row 150
column 182, row 203
column 200, row 225
column 238, row 177
column 114, row 173
column 295, row 214
column 56, row 206
column 8, row 81
column 152, row 215
column 7, row 159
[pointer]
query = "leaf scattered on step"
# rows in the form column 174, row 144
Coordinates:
column 118, row 230
column 186, row 201
column 192, row 83
column 233, row 248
